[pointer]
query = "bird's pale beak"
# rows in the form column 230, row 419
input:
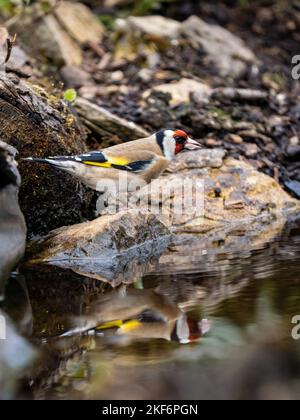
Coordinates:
column 191, row 144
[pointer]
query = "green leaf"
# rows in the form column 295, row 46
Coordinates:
column 70, row 95
column 108, row 21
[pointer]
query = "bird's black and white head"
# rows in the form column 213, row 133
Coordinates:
column 174, row 142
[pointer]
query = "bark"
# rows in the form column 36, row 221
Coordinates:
column 40, row 125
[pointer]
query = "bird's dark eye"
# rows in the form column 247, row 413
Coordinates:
column 180, row 140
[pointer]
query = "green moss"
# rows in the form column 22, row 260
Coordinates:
column 243, row 3
column 46, row 6
column 11, row 7
column 275, row 80
column 108, row 21
column 220, row 114
column 50, row 97
column 136, row 8
column 142, row 7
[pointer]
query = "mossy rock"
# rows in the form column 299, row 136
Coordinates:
column 40, row 125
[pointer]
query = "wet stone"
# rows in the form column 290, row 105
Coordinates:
column 75, row 77
column 293, row 187
column 293, row 152
column 251, row 149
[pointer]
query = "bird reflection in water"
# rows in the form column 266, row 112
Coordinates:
column 139, row 314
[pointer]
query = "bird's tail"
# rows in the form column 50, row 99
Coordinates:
column 66, row 163
column 49, row 161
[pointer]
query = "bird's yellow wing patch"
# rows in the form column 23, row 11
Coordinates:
column 129, row 326
column 112, row 324
column 123, row 326
column 110, row 162
column 106, row 160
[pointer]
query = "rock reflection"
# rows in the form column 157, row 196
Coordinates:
column 115, row 269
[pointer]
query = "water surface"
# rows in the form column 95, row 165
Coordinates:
column 198, row 324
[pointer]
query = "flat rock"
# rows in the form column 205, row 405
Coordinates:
column 138, row 35
column 149, row 36
column 104, row 122
column 103, row 247
column 226, row 191
column 54, row 42
column 204, row 158
column 75, row 77
column 228, row 53
column 79, row 22
column 154, row 26
column 182, row 91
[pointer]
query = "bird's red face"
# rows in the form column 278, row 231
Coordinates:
column 173, row 142
column 183, row 142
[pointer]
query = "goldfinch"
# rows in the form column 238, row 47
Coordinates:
column 139, row 314
column 145, row 159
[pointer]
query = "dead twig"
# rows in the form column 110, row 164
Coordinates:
column 10, row 42
column 239, row 94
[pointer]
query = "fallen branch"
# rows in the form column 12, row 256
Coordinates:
column 102, row 121
column 239, row 94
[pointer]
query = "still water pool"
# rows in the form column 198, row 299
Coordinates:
column 195, row 325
